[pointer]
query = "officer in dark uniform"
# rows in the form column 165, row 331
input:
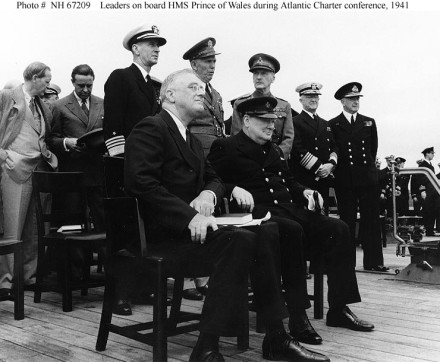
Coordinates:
column 314, row 152
column 356, row 177
column 210, row 125
column 258, row 180
column 385, row 187
column 51, row 94
column 131, row 94
column 264, row 67
column 425, row 193
column 403, row 181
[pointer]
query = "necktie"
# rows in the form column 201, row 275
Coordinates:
column 188, row 138
column 148, row 78
column 207, row 90
column 35, row 113
column 352, row 120
column 84, row 108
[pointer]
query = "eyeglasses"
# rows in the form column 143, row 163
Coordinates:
column 196, row 87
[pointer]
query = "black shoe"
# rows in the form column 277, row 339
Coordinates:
column 205, row 356
column 284, row 347
column 301, row 329
column 203, row 290
column 192, row 294
column 147, row 299
column 379, row 268
column 122, row 307
column 347, row 319
column 29, row 288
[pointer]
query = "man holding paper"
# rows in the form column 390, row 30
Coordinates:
column 256, row 175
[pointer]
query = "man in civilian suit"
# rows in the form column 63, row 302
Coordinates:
column 314, row 152
column 356, row 177
column 73, row 116
column 131, row 93
column 24, row 125
column 177, row 190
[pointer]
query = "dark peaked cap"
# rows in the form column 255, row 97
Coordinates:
column 203, row 49
column 352, row 89
column 262, row 107
column 265, row 62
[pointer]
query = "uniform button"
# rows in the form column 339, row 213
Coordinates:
column 363, row 141
column 291, row 201
column 275, row 202
column 351, row 163
column 365, row 161
column 302, row 155
column 262, row 169
column 287, row 189
column 363, row 155
column 349, row 143
column 328, row 140
column 284, row 180
column 316, row 138
column 266, row 179
column 280, row 173
column 363, row 148
column 349, row 150
column 351, row 156
column 316, row 148
column 271, row 191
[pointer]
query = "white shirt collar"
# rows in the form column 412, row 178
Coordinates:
column 143, row 71
column 310, row 114
column 180, row 126
column 348, row 116
column 27, row 96
column 80, row 101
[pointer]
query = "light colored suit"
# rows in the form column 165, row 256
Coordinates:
column 22, row 140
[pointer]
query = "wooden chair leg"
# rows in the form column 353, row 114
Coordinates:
column 173, row 319
column 18, row 283
column 88, row 256
column 107, row 312
column 67, row 278
column 40, row 272
column 160, row 317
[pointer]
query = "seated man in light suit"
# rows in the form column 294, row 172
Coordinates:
column 166, row 170
column 24, row 124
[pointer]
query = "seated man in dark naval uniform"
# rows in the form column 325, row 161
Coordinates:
column 177, row 189
column 258, row 179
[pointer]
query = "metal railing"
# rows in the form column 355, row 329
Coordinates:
column 402, row 244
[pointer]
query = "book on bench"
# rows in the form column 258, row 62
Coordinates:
column 234, row 219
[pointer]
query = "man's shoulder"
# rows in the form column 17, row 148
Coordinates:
column 282, row 102
column 239, row 99
column 96, row 99
column 335, row 120
column 365, row 118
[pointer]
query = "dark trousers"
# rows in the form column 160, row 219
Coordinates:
column 430, row 210
column 349, row 198
column 226, row 256
column 321, row 235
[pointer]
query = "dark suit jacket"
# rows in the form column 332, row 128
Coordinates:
column 313, row 145
column 128, row 99
column 357, row 146
column 166, row 175
column 69, row 120
column 420, row 183
column 239, row 161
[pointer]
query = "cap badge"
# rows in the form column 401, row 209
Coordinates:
column 314, row 86
column 355, row 89
column 260, row 60
column 155, row 29
column 210, row 43
column 267, row 105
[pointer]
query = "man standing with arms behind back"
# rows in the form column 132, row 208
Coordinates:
column 130, row 93
column 24, row 124
column 356, row 177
